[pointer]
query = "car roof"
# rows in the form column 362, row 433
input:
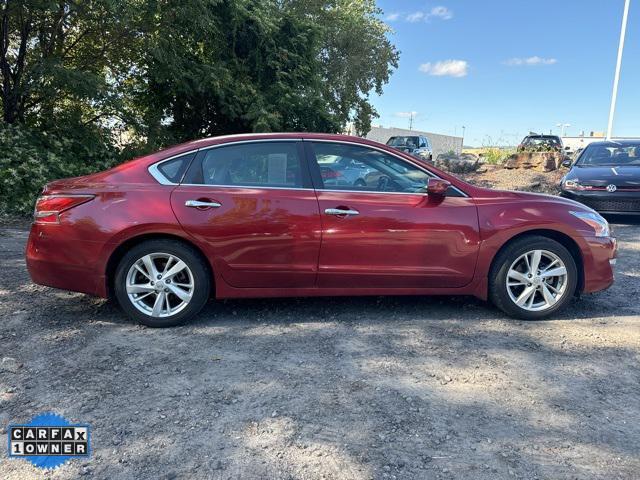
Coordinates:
column 284, row 135
column 237, row 137
column 243, row 137
column 542, row 136
column 617, row 142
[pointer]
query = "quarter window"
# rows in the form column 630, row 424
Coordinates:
column 350, row 167
column 174, row 169
column 262, row 164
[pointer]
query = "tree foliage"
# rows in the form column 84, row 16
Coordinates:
column 135, row 75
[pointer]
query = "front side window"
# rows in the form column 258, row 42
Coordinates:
column 260, row 164
column 356, row 168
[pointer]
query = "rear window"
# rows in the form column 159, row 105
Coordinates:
column 174, row 169
column 403, row 141
column 546, row 141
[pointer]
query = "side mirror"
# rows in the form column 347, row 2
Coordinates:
column 437, row 187
column 566, row 163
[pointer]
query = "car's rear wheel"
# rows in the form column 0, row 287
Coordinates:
column 162, row 283
column 532, row 278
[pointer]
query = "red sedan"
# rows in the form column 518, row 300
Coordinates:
column 284, row 215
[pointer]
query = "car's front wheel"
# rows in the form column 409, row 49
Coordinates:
column 162, row 283
column 533, row 277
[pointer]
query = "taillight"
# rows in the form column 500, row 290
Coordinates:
column 49, row 207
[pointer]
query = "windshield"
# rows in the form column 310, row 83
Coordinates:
column 610, row 154
column 403, row 142
column 542, row 141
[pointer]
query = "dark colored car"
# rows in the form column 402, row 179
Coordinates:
column 541, row 142
column 606, row 177
column 417, row 145
column 252, row 216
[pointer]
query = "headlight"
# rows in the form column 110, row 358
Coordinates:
column 575, row 185
column 594, row 220
column 572, row 185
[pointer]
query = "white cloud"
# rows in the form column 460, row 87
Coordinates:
column 443, row 13
column 392, row 17
column 415, row 17
column 405, row 114
column 446, row 68
column 530, row 61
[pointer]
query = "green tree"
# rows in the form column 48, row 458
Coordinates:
column 85, row 83
column 61, row 59
column 214, row 66
column 355, row 53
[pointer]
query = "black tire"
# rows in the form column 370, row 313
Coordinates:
column 194, row 261
column 498, row 293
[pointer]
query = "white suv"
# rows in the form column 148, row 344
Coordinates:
column 417, row 145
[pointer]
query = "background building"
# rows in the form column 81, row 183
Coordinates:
column 581, row 141
column 439, row 143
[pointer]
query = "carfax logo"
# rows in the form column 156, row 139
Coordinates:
column 49, row 440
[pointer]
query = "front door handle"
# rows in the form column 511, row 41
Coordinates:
column 341, row 212
column 201, row 204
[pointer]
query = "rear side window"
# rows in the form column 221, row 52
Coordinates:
column 174, row 169
column 260, row 164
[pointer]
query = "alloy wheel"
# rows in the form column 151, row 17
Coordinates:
column 537, row 280
column 159, row 284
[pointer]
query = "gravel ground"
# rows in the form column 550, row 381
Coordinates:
column 351, row 388
column 495, row 176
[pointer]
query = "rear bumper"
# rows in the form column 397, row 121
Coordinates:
column 56, row 259
column 605, row 202
column 598, row 261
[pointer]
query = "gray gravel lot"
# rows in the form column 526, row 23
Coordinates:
column 355, row 388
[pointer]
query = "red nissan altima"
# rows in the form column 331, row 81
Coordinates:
column 284, row 215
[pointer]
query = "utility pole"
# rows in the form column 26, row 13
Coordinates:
column 616, row 77
column 562, row 127
column 411, row 120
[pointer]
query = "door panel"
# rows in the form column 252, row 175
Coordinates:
column 381, row 230
column 397, row 241
column 258, row 214
column 258, row 237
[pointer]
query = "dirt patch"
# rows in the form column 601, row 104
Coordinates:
column 494, row 176
column 334, row 388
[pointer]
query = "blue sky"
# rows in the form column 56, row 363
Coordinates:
column 503, row 68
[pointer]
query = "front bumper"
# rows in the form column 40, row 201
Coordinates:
column 627, row 203
column 599, row 258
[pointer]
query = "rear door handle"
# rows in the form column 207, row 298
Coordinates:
column 201, row 204
column 341, row 211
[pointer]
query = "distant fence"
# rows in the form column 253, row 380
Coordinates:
column 439, row 143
